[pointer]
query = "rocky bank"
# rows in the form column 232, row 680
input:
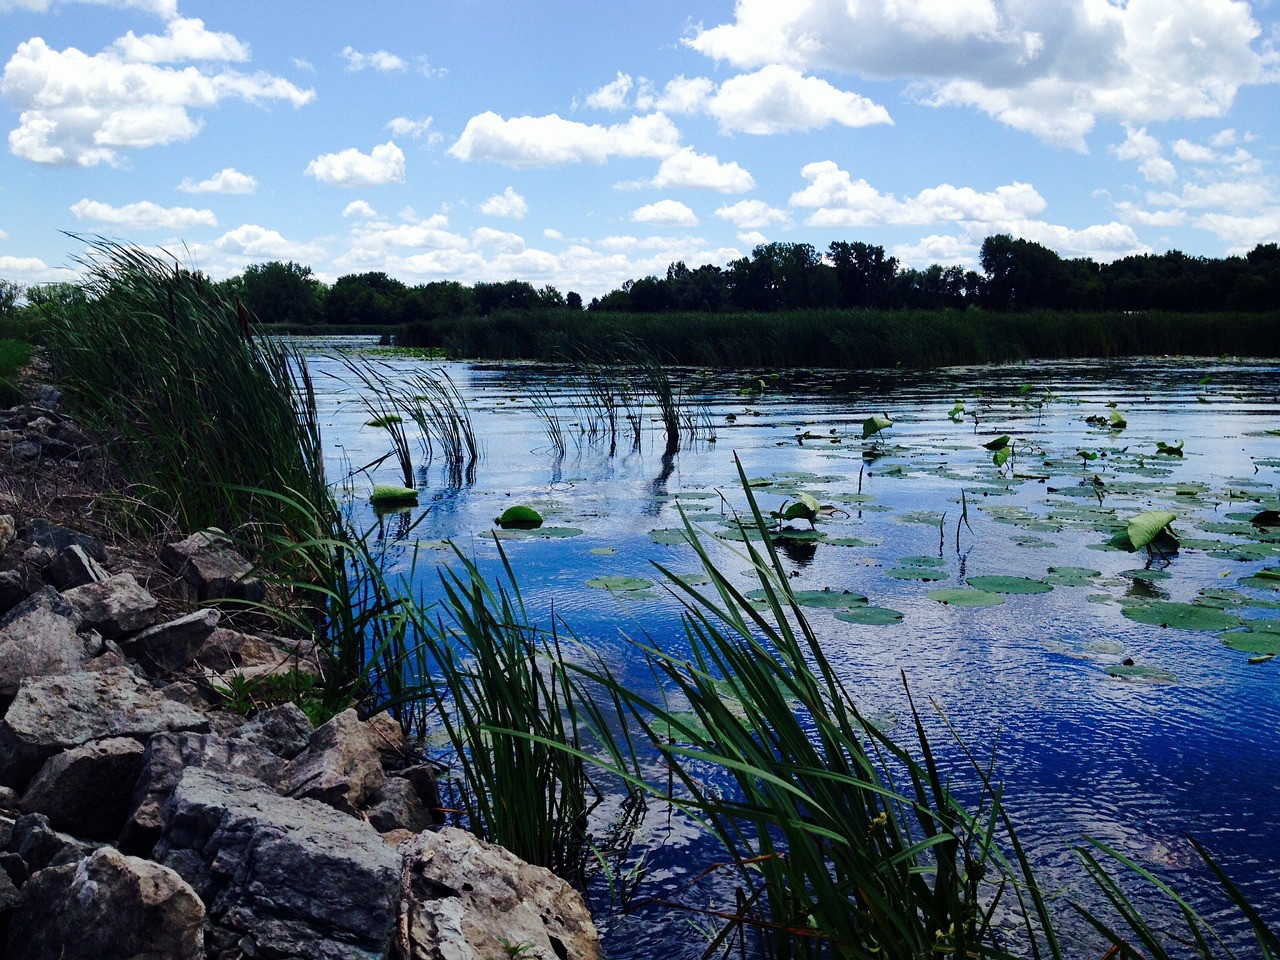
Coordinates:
column 140, row 819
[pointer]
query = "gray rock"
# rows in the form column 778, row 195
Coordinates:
column 12, row 590
column 51, row 714
column 283, row 730
column 39, row 637
column 73, row 567
column 231, row 652
column 468, row 897
column 115, row 607
column 396, row 806
column 206, row 561
column 340, row 766
column 423, row 778
column 167, row 756
column 87, row 790
column 280, row 878
column 107, row 907
column 42, row 533
column 171, row 646
column 8, row 532
column 38, row 845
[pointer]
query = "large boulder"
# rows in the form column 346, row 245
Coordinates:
column 207, row 562
column 283, row 730
column 115, row 607
column 167, row 756
column 469, row 900
column 38, row 637
column 280, row 878
column 341, row 765
column 41, row 533
column 73, row 567
column 168, row 647
column 107, row 907
column 55, row 713
column 87, row 790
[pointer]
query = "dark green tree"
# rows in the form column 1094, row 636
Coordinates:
column 277, row 292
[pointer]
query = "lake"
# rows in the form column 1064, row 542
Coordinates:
column 1104, row 722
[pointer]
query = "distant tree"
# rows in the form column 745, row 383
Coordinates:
column 508, row 295
column 573, row 300
column 9, row 294
column 430, row 301
column 1021, row 274
column 279, row 292
column 864, row 275
column 364, row 298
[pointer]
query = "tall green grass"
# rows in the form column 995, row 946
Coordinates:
column 14, row 355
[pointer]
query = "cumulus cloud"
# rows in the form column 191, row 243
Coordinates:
column 612, row 96
column 165, row 9
column 228, row 180
column 778, row 98
column 550, row 141
column 360, row 209
column 1052, row 69
column 753, row 214
column 685, row 168
column 502, row 241
column 943, row 250
column 184, row 39
column 666, row 213
column 837, row 200
column 405, row 127
column 1147, row 150
column 685, row 95
column 351, row 168
column 26, row 271
column 143, row 215
column 81, row 110
column 253, row 242
column 508, row 203
column 379, row 60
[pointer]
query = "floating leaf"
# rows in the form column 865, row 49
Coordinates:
column 874, row 424
column 1169, row 449
column 540, row 533
column 669, row 536
column 519, row 517
column 1262, row 637
column 1010, row 585
column 1184, row 616
column 385, row 421
column 966, row 598
column 1117, row 421
column 619, row 583
column 387, row 494
column 821, row 599
column 870, row 616
column 1072, row 576
column 1133, row 671
column 999, row 443
column 926, row 574
column 956, row 412
column 1146, row 527
column 1268, row 578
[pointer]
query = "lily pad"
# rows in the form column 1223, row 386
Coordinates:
column 870, row 616
column 1010, row 585
column 821, row 599
column 1134, row 671
column 1184, row 616
column 1072, row 576
column 927, row 574
column 1262, row 637
column 1268, row 578
column 542, row 533
column 669, row 536
column 966, row 598
column 386, row 494
column 874, row 424
column 1146, row 527
column 519, row 517
column 619, row 583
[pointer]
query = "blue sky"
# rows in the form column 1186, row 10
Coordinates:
column 580, row 144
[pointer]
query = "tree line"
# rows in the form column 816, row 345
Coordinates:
column 1017, row 275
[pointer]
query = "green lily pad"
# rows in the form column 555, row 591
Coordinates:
column 1072, row 576
column 922, row 561
column 1149, row 575
column 619, row 583
column 541, row 533
column 1184, row 616
column 669, row 536
column 519, row 517
column 966, row 598
column 1134, row 671
column 851, row 542
column 1010, row 585
column 1262, row 637
column 874, row 424
column 821, row 599
column 1146, row 527
column 387, row 494
column 870, row 616
column 927, row 574
column 1268, row 578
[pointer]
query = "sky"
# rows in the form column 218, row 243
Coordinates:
column 581, row 143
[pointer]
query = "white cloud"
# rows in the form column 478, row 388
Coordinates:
column 351, row 168
column 144, row 215
column 666, row 213
column 379, row 60
column 753, row 214
column 360, row 209
column 612, row 96
column 1052, row 69
column 1132, row 213
column 404, row 127
column 1146, row 149
column 685, row 95
column 302, row 64
column 260, row 243
column 81, row 110
column 26, row 271
column 508, row 203
column 685, row 168
column 837, row 200
column 943, row 250
column 502, row 241
column 165, row 9
column 777, row 98
column 184, row 39
column 550, row 141
column 1235, row 196
column 228, row 180
column 1243, row 233
column 752, row 238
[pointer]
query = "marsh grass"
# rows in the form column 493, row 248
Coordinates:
column 14, row 355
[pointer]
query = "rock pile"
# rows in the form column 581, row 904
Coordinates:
column 138, row 819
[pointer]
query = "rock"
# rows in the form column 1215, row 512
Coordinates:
column 38, row 845
column 396, row 806
column 385, row 733
column 230, row 652
column 280, row 878
column 423, row 778
column 87, row 790
column 167, row 756
column 51, row 714
column 39, row 637
column 171, row 646
column 115, row 607
column 12, row 590
column 107, row 907
column 8, row 532
column 283, row 730
column 340, row 766
column 207, row 562
column 470, row 898
column 73, row 567
column 42, row 533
